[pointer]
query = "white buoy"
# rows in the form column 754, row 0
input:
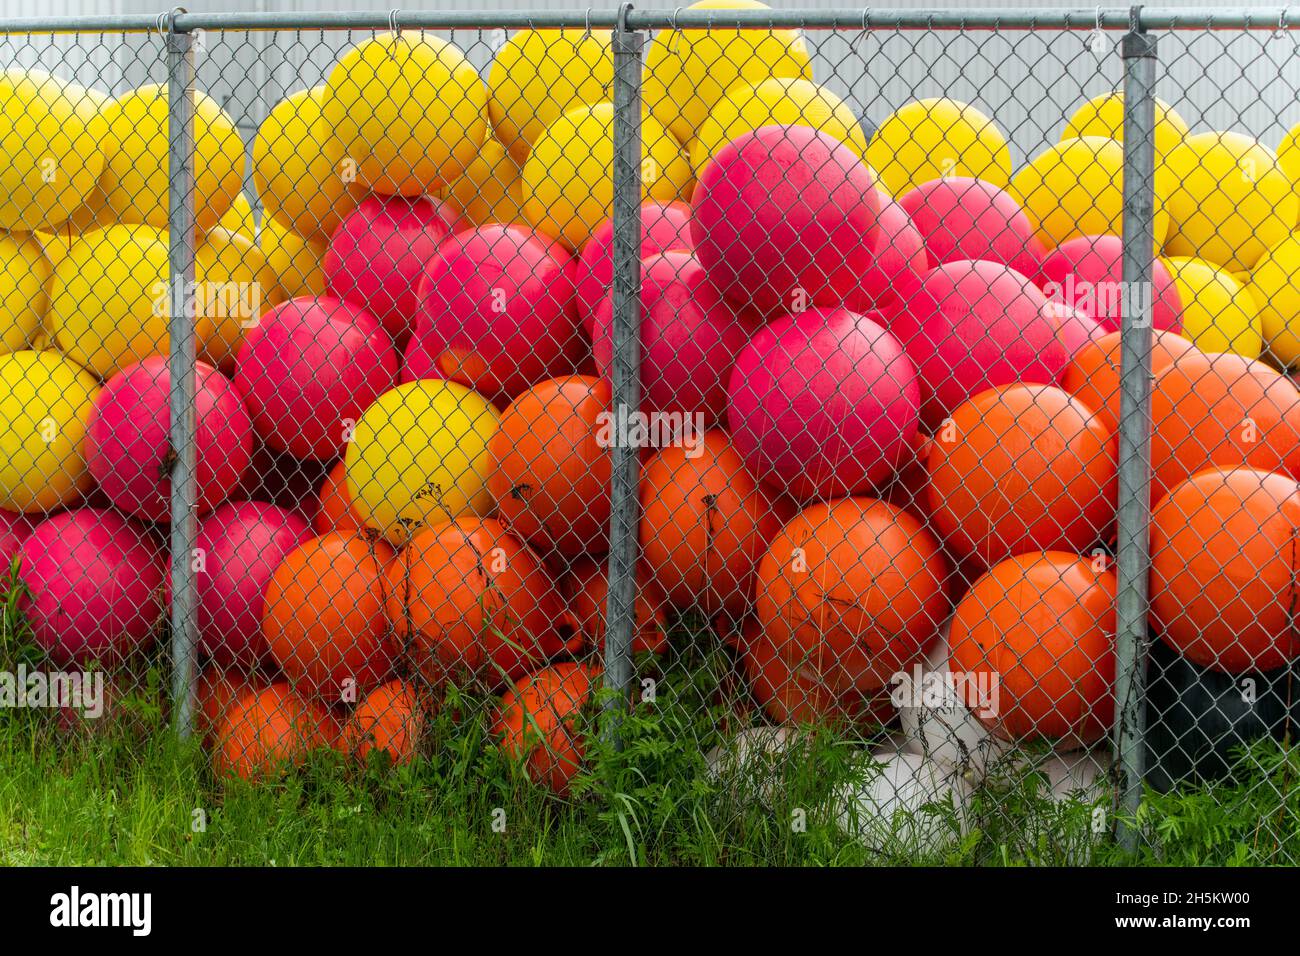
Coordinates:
column 896, row 805
column 936, row 721
column 895, row 742
column 751, row 761
column 1074, row 815
column 1077, row 775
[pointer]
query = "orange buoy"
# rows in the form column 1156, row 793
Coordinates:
column 586, row 584
column 550, row 471
column 468, row 596
column 266, row 730
column 323, row 616
column 705, row 522
column 214, row 692
column 854, row 590
column 1223, row 411
column 390, row 720
column 1033, row 641
column 539, row 722
column 1225, row 552
column 1022, row 468
column 1093, row 374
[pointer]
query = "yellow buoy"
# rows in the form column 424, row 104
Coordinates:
column 1219, row 314
column 935, row 138
column 490, row 190
column 776, row 102
column 1288, row 157
column 50, row 154
column 1231, row 200
column 295, row 262
column 688, row 71
column 136, row 178
column 1274, row 284
column 1104, row 116
column 55, row 245
column 25, row 272
column 94, row 211
column 234, row 287
column 45, row 404
column 419, row 455
column 299, row 167
column 109, row 303
column 1076, row 188
column 409, row 109
column 239, row 218
column 568, row 184
column 539, row 75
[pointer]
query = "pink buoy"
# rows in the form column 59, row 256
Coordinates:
column 784, row 217
column 129, row 452
column 497, row 310
column 972, row 326
column 1073, row 328
column 1087, row 274
column 823, row 404
column 962, row 218
column 690, row 337
column 377, row 254
column 308, row 371
column 95, row 581
column 665, row 227
column 242, row 543
column 900, row 261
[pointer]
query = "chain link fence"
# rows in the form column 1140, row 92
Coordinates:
column 920, row 379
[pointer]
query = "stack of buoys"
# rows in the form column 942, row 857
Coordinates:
column 879, row 380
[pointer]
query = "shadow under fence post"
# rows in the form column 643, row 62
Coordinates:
column 1134, row 511
column 626, row 384
column 181, row 367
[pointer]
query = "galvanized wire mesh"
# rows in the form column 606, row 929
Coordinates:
column 877, row 293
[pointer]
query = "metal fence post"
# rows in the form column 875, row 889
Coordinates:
column 626, row 366
column 181, row 365
column 1133, row 542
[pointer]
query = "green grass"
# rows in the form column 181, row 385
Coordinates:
column 127, row 791
column 134, row 794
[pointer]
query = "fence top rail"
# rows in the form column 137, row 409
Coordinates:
column 1082, row 18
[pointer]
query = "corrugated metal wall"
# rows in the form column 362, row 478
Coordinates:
column 1029, row 82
